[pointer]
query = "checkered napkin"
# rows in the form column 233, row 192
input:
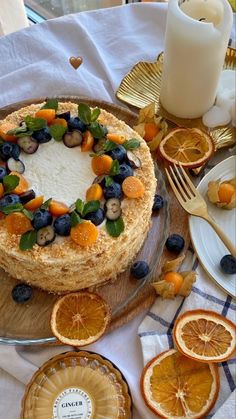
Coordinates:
column 155, row 331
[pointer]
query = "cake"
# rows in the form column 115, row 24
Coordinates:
column 65, row 175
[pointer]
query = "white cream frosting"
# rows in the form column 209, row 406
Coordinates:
column 58, row 172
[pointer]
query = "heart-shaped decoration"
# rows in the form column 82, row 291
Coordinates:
column 76, row 62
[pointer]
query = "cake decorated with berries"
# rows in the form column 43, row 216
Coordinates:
column 76, row 194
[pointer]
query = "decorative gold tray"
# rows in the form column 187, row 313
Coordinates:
column 142, row 84
column 77, row 385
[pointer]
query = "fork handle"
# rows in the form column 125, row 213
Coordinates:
column 222, row 236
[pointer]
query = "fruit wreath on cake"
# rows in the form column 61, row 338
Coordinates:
column 76, row 195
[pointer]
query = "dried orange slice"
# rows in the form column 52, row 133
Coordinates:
column 174, row 386
column 190, row 147
column 205, row 335
column 80, row 318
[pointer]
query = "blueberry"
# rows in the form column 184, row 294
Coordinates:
column 42, row 218
column 45, row 236
column 62, row 225
column 158, row 203
column 125, row 171
column 228, row 264
column 118, row 153
column 99, row 145
column 76, row 123
column 8, row 150
column 133, row 160
column 112, row 209
column 101, row 180
column 28, row 144
column 22, row 293
column 14, row 165
column 96, row 217
column 104, row 129
column 3, row 172
column 64, row 115
column 42, row 135
column 10, row 199
column 139, row 269
column 113, row 191
column 175, row 243
column 27, row 196
column 72, row 139
column 16, row 151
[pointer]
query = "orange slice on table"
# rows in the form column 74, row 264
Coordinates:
column 80, row 318
column 189, row 147
column 174, row 386
column 205, row 335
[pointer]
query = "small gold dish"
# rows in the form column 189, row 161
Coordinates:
column 77, row 385
column 142, row 85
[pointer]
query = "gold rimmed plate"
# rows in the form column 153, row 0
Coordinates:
column 203, row 235
column 142, row 85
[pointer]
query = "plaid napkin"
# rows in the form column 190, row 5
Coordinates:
column 155, row 331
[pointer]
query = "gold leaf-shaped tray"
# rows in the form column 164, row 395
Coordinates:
column 142, row 85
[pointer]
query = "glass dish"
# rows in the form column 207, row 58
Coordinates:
column 29, row 323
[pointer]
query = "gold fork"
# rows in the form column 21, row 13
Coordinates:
column 192, row 201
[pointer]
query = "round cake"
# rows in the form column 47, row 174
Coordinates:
column 76, row 196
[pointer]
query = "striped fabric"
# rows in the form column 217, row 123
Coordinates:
column 155, row 331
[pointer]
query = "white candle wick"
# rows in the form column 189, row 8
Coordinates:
column 206, row 11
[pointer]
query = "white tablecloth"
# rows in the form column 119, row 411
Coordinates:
column 34, row 62
column 12, row 16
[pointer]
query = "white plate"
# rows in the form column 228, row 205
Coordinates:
column 207, row 244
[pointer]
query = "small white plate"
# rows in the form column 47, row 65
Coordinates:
column 207, row 244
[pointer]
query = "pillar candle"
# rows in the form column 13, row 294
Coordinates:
column 196, row 39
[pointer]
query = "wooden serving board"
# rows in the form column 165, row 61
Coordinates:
column 29, row 323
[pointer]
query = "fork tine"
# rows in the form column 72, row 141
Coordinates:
column 175, row 190
column 188, row 191
column 191, row 185
column 180, row 188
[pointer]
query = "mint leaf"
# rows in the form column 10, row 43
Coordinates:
column 75, row 219
column 51, row 104
column 24, row 134
column 109, row 145
column 28, row 240
column 12, row 208
column 20, row 131
column 115, row 228
column 79, row 205
column 46, row 204
column 131, row 144
column 84, row 113
column 28, row 214
column 35, row 124
column 95, row 114
column 115, row 168
column 96, row 130
column 98, row 153
column 108, row 181
column 10, row 182
column 91, row 206
column 57, row 131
